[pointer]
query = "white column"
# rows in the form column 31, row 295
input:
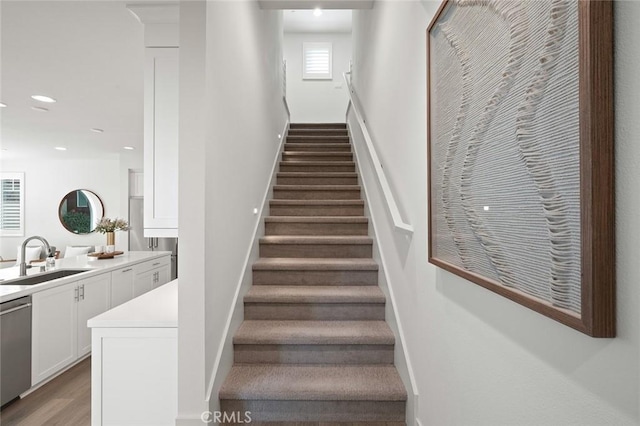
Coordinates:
column 191, row 335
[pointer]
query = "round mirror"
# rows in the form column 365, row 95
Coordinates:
column 80, row 210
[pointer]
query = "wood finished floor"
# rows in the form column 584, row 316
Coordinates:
column 64, row 401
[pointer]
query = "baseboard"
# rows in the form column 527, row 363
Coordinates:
column 224, row 357
column 50, row 378
column 403, row 361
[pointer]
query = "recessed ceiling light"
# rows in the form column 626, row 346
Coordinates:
column 129, row 148
column 317, row 12
column 61, row 148
column 96, row 130
column 40, row 109
column 3, row 105
column 43, row 98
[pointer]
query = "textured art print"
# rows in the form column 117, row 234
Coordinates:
column 511, row 152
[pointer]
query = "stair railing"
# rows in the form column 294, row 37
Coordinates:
column 392, row 206
column 284, row 87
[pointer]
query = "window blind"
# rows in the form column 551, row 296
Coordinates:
column 317, row 61
column 11, row 204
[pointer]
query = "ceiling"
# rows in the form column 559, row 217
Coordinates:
column 312, row 4
column 304, row 21
column 89, row 56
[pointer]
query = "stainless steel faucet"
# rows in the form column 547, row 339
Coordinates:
column 23, row 254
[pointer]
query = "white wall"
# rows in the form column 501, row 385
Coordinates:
column 191, row 214
column 225, row 169
column 478, row 358
column 47, row 180
column 316, row 101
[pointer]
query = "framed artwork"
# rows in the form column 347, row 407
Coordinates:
column 521, row 154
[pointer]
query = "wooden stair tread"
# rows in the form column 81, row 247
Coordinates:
column 297, row 144
column 317, row 163
column 318, row 153
column 318, row 125
column 317, row 187
column 297, row 382
column 317, row 174
column 313, row 333
column 316, row 239
column 314, row 294
column 277, row 202
column 316, row 219
column 308, row 129
column 315, row 264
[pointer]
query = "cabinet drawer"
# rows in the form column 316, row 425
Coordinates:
column 152, row 264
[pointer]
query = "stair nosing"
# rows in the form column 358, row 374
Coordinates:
column 318, row 144
column 317, row 174
column 351, row 220
column 316, row 202
column 319, row 163
column 317, row 187
column 330, row 137
column 304, row 295
column 315, row 264
column 317, row 239
column 336, row 154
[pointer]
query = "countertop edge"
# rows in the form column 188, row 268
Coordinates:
column 157, row 308
column 98, row 267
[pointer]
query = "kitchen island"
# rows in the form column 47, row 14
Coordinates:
column 134, row 368
column 80, row 288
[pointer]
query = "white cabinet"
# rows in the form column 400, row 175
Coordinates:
column 143, row 283
column 134, row 366
column 151, row 274
column 93, row 299
column 161, row 103
column 136, row 184
column 54, row 331
column 163, row 275
column 122, row 284
column 59, row 330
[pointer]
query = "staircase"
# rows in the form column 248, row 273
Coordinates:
column 314, row 347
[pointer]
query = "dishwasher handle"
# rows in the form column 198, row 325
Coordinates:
column 17, row 308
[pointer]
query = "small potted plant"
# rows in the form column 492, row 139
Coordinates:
column 109, row 227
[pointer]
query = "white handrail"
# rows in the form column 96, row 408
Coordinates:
column 399, row 224
column 284, row 88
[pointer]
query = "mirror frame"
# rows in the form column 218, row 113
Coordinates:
column 93, row 225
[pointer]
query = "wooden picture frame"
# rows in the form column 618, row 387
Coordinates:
column 594, row 313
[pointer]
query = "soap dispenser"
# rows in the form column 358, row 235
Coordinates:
column 51, row 260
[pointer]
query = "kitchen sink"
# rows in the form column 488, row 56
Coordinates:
column 44, row 277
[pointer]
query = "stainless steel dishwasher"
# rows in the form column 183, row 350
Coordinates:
column 15, row 348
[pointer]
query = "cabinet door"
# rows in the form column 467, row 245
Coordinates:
column 122, row 286
column 54, row 332
column 94, row 300
column 161, row 142
column 144, row 282
column 163, row 275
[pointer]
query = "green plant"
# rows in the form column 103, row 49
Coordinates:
column 111, row 225
column 77, row 222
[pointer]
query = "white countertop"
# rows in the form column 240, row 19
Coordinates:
column 155, row 309
column 95, row 267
